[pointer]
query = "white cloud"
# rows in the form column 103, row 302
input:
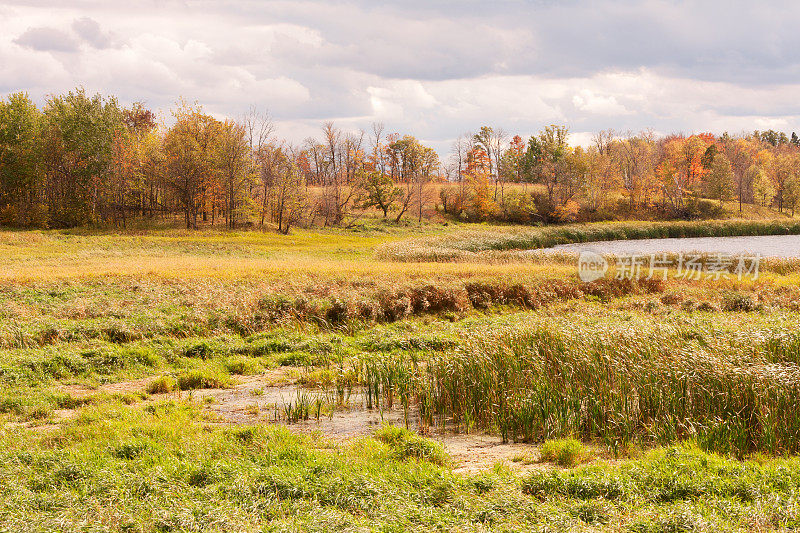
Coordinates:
column 590, row 102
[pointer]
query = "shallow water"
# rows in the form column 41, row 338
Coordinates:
column 766, row 246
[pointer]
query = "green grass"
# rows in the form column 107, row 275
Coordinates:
column 564, row 452
column 159, row 467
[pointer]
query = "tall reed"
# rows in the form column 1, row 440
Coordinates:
column 617, row 385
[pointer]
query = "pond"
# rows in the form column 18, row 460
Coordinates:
column 767, row 246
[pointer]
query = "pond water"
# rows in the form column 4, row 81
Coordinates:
column 767, row 246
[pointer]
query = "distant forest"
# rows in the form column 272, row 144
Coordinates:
column 85, row 160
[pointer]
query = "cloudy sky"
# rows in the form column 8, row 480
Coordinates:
column 432, row 69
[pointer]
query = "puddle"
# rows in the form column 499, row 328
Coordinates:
column 251, row 402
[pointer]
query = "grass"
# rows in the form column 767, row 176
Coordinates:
column 160, row 467
column 203, row 379
column 564, row 452
column 162, row 385
column 691, row 386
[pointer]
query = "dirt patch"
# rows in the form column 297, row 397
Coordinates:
column 120, row 387
column 476, row 453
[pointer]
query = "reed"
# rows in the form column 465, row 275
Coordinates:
column 618, row 385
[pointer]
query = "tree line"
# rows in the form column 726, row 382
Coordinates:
column 87, row 160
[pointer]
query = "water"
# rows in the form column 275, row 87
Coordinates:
column 767, row 246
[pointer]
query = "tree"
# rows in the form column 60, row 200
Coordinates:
column 188, row 161
column 134, row 158
column 718, row 182
column 681, row 168
column 740, row 153
column 22, row 183
column 546, row 161
column 78, row 140
column 635, row 157
column 377, row 190
column 602, row 176
column 780, row 169
column 491, row 141
column 341, row 158
column 791, row 195
column 235, row 169
column 413, row 166
column 290, row 198
column 763, row 190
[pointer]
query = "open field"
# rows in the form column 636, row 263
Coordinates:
column 165, row 380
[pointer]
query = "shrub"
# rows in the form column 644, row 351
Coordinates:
column 406, row 444
column 204, row 349
column 243, row 366
column 391, row 434
column 672, row 298
column 541, row 485
column 203, row 379
column 417, row 447
column 593, row 512
column 129, row 450
column 564, row 452
column 707, row 307
column 734, row 301
column 162, row 385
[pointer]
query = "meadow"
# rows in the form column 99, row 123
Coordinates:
column 158, row 379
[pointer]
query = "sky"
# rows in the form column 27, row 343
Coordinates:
column 435, row 70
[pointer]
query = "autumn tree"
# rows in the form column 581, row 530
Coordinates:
column 780, row 168
column 377, row 190
column 546, row 160
column 763, row 190
column 288, row 191
column 681, row 169
column 188, row 159
column 601, row 176
column 414, row 167
column 340, row 159
column 635, row 156
column 740, row 153
column 235, row 169
column 551, row 162
column 718, row 181
column 491, row 141
column 454, row 196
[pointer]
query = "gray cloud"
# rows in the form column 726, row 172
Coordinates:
column 47, row 40
column 433, row 69
column 89, row 30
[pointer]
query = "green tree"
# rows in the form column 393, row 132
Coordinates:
column 791, row 193
column 22, row 181
column 377, row 190
column 546, row 160
column 188, row 161
column 235, row 169
column 78, row 145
